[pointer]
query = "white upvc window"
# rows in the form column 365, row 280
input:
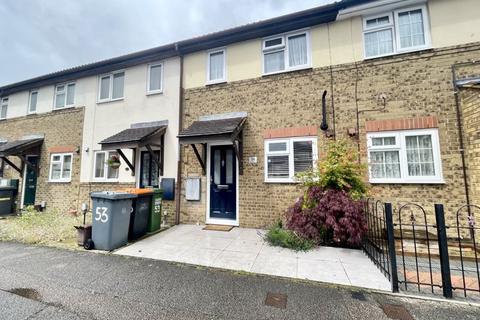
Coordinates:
column 3, row 108
column 64, row 95
column 286, row 157
column 407, row 156
column 286, row 52
column 400, row 31
column 101, row 170
column 216, row 66
column 155, row 78
column 32, row 102
column 61, row 167
column 111, row 86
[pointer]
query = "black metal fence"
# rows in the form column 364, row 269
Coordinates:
column 418, row 251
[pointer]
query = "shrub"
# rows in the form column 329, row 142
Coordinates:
column 335, row 216
column 339, row 170
column 277, row 236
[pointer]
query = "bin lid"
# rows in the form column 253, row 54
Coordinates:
column 8, row 188
column 137, row 191
column 112, row 195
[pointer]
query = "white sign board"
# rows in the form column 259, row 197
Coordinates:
column 192, row 189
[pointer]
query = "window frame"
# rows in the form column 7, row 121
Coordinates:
column 149, row 69
column 29, row 111
column 224, row 76
column 62, row 162
column 290, row 153
column 65, row 85
column 110, row 87
column 393, row 25
column 2, row 104
column 105, row 177
column 400, row 146
column 284, row 47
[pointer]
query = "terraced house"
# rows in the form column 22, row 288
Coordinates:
column 232, row 116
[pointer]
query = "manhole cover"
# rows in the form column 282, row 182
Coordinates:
column 28, row 293
column 398, row 312
column 277, row 300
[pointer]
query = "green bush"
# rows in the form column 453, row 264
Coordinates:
column 277, row 236
column 339, row 170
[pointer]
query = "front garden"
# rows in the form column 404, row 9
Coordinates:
column 47, row 228
column 331, row 210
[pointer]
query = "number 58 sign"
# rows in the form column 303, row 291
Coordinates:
column 101, row 214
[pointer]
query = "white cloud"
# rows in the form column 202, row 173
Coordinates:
column 43, row 36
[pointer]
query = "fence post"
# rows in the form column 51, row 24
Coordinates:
column 391, row 246
column 443, row 251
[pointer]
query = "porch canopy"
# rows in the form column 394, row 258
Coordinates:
column 214, row 129
column 139, row 135
column 20, row 148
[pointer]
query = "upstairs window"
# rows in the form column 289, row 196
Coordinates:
column 396, row 32
column 3, row 108
column 64, row 95
column 32, row 103
column 407, row 156
column 216, row 66
column 286, row 157
column 286, row 52
column 111, row 87
column 155, row 78
column 61, row 167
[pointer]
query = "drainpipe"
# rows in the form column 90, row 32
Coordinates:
column 180, row 128
column 456, row 92
column 324, row 124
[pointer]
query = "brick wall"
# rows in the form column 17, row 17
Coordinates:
column 62, row 130
column 415, row 85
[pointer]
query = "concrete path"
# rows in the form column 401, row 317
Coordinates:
column 245, row 250
column 83, row 285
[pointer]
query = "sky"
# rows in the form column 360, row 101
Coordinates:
column 43, row 36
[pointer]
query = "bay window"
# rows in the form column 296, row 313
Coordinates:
column 286, row 157
column 409, row 156
column 399, row 31
column 286, row 52
column 61, row 167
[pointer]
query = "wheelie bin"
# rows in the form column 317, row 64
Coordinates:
column 155, row 216
column 140, row 211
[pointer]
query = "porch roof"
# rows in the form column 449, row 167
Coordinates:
column 133, row 137
column 18, row 147
column 207, row 130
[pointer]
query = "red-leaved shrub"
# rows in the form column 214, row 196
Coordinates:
column 330, row 215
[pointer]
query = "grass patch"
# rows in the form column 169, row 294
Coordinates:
column 277, row 236
column 45, row 228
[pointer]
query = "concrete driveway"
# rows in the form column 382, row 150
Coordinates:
column 244, row 249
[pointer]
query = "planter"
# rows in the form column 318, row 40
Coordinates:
column 114, row 165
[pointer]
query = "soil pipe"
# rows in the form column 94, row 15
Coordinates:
column 456, row 92
column 180, row 128
column 324, row 124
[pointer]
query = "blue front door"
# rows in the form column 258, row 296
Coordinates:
column 223, row 183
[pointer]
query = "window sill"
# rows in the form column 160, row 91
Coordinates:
column 108, row 101
column 61, row 109
column 153, row 93
column 287, row 71
column 408, row 182
column 60, row 181
column 398, row 53
column 270, row 181
column 105, row 181
column 211, row 83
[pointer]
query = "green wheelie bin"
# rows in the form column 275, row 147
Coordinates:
column 155, row 216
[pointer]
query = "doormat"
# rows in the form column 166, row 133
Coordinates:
column 216, row 227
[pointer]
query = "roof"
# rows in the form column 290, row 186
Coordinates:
column 17, row 147
column 289, row 22
column 205, row 129
column 134, row 135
